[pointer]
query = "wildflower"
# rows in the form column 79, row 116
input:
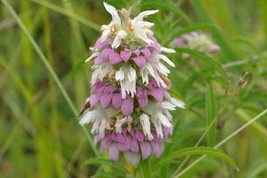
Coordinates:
column 129, row 106
column 196, row 41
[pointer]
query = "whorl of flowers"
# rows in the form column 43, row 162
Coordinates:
column 129, row 106
column 197, row 41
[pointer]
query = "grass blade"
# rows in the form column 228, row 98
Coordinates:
column 205, row 58
column 210, row 113
column 49, row 68
column 223, row 142
column 168, row 6
column 199, row 151
column 67, row 13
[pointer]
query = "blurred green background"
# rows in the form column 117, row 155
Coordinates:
column 39, row 132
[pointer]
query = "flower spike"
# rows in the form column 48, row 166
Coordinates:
column 129, row 105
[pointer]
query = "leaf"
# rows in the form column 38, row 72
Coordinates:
column 104, row 162
column 211, row 110
column 61, row 10
column 263, row 8
column 97, row 161
column 189, row 82
column 190, row 28
column 77, row 67
column 217, row 35
column 205, row 58
column 166, row 5
column 198, row 151
column 110, row 175
column 145, row 168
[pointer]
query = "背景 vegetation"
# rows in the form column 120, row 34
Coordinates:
column 44, row 81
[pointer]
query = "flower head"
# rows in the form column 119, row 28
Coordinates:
column 196, row 41
column 129, row 106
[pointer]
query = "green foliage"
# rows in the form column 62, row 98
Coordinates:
column 44, row 82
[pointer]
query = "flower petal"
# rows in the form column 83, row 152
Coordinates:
column 126, row 145
column 114, row 152
column 127, row 106
column 167, row 60
column 132, row 158
column 99, row 60
column 145, row 122
column 145, row 149
column 94, row 98
column 143, row 14
column 114, row 57
column 141, row 96
column 146, row 52
column 116, row 100
column 105, row 99
column 117, row 41
column 139, row 61
column 167, row 50
column 113, row 12
column 157, row 148
column 125, row 55
column 134, row 145
column 106, row 52
column 139, row 136
column 105, row 143
column 156, row 93
column 95, row 54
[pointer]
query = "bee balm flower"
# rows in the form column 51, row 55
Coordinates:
column 129, row 106
column 196, row 41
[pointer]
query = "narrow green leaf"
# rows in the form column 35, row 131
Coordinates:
column 205, row 58
column 263, row 9
column 168, row 6
column 211, row 110
column 104, row 162
column 145, row 169
column 61, row 10
column 110, row 175
column 198, row 151
column 97, row 161
column 224, row 19
column 218, row 36
column 192, row 27
column 49, row 68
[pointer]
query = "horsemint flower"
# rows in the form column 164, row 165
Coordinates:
column 129, row 106
column 197, row 41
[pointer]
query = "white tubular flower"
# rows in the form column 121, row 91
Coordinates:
column 115, row 23
column 144, row 119
column 120, row 122
column 172, row 103
column 100, row 71
column 158, row 117
column 167, row 50
column 117, row 40
column 153, row 71
column 92, row 115
column 102, row 127
column 166, row 59
column 95, row 54
column 97, row 116
column 141, row 28
column 127, row 78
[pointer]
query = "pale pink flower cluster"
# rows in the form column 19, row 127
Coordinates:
column 129, row 106
column 196, row 41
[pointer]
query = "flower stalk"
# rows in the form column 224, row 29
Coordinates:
column 129, row 106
